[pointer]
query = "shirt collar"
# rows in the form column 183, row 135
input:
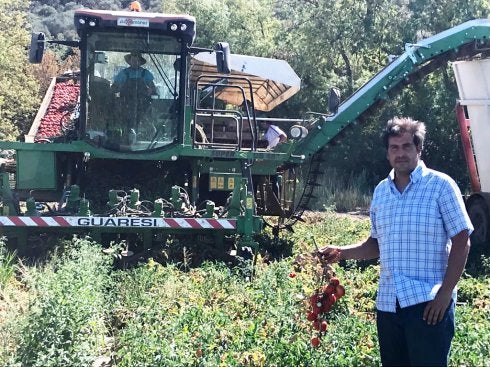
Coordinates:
column 414, row 176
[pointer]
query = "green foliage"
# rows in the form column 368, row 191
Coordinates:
column 76, row 307
column 471, row 291
column 65, row 321
column 55, row 18
column 432, row 17
column 7, row 263
column 328, row 228
column 212, row 317
column 248, row 26
column 470, row 344
column 18, row 100
column 336, row 42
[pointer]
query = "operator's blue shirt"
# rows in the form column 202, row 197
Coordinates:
column 413, row 229
column 133, row 73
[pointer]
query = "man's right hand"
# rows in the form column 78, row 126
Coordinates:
column 329, row 254
column 366, row 250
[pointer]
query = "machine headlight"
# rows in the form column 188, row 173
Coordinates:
column 298, row 132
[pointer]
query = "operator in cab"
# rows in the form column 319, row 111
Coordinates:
column 133, row 88
column 134, row 76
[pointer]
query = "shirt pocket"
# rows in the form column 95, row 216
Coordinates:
column 426, row 221
column 383, row 217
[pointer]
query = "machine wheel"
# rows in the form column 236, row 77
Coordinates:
column 480, row 217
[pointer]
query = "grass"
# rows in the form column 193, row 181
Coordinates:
column 7, row 264
column 61, row 320
column 342, row 193
column 76, row 308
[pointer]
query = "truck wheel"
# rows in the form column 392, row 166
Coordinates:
column 480, row 217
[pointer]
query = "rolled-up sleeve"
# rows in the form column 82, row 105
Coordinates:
column 453, row 210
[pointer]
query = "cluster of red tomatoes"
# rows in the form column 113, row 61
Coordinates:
column 321, row 303
column 63, row 101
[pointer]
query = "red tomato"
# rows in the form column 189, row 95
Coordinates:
column 64, row 98
column 315, row 342
column 326, row 307
column 328, row 289
column 317, row 324
column 331, row 299
column 334, row 281
column 339, row 291
column 323, row 326
column 314, row 298
column 312, row 316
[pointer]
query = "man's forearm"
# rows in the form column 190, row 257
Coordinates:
column 456, row 261
column 367, row 250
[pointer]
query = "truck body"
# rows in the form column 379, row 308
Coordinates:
column 187, row 157
column 473, row 112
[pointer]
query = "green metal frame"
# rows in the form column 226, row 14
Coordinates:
column 442, row 46
column 416, row 61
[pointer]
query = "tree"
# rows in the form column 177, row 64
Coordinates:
column 55, row 17
column 345, row 42
column 248, row 26
column 18, row 89
column 51, row 67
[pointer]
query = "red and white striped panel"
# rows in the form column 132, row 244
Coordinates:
column 132, row 222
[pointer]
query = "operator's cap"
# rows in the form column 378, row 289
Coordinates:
column 137, row 54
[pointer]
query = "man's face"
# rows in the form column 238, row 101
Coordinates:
column 402, row 154
column 134, row 61
column 263, row 125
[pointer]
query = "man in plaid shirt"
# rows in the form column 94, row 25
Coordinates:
column 420, row 231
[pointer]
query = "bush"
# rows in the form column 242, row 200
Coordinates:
column 7, row 263
column 211, row 316
column 65, row 322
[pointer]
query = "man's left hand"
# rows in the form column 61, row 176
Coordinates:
column 435, row 309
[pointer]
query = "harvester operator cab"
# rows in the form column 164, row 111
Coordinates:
column 132, row 99
column 133, row 78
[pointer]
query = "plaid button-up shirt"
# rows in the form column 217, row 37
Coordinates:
column 413, row 230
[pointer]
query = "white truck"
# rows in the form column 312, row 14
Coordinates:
column 473, row 112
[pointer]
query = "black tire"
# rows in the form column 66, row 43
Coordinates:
column 480, row 217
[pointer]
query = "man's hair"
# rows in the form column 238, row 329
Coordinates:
column 400, row 125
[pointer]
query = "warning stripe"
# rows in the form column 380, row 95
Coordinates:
column 39, row 221
column 18, row 221
column 193, row 223
column 61, row 221
column 5, row 221
column 132, row 222
column 178, row 223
